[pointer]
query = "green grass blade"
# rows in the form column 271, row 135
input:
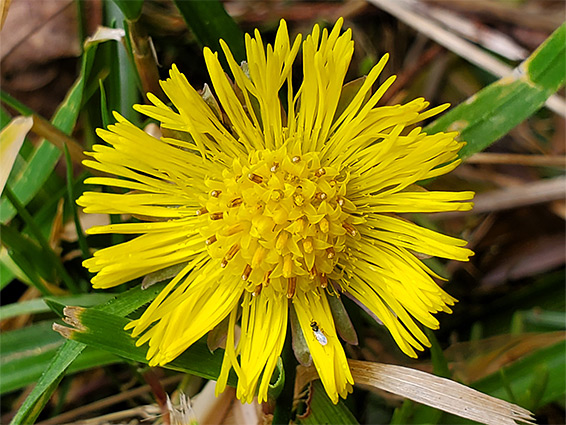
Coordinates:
column 26, row 339
column 51, row 256
column 106, row 331
column 9, row 270
column 24, row 371
column 209, row 21
column 402, row 415
column 22, row 250
column 83, row 245
column 23, row 307
column 122, row 87
column 47, row 384
column 26, row 353
column 494, row 111
column 105, row 113
column 5, row 117
column 130, row 8
column 120, row 305
column 125, row 303
column 39, row 305
column 45, row 156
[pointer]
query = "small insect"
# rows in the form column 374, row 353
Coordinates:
column 319, row 335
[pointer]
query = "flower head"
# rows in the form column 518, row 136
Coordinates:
column 269, row 208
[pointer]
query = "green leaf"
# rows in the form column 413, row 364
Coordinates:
column 209, row 22
column 5, row 118
column 9, row 270
column 106, row 116
column 439, row 362
column 71, row 199
column 103, row 330
column 121, row 85
column 343, row 323
column 494, row 111
column 53, row 259
column 321, row 410
column 22, row 250
column 129, row 301
column 121, row 305
column 130, row 8
column 277, row 381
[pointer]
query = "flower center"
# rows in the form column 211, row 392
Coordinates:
column 279, row 221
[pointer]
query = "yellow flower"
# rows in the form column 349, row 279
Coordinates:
column 271, row 208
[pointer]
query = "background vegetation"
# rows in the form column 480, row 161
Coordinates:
column 506, row 336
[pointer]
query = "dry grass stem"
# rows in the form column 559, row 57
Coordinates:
column 519, row 196
column 518, row 159
column 405, row 10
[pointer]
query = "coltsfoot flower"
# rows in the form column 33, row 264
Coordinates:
column 272, row 199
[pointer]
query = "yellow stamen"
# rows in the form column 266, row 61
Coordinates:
column 291, row 284
column 350, row 229
column 247, row 271
column 256, row 178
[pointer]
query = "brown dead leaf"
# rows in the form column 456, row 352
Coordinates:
column 37, row 32
column 38, row 38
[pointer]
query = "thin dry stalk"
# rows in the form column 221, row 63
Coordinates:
column 72, row 415
column 404, row 10
column 519, row 196
column 518, row 159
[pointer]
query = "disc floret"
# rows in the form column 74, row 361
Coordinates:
column 280, row 220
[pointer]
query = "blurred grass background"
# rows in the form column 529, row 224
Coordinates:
column 506, row 335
